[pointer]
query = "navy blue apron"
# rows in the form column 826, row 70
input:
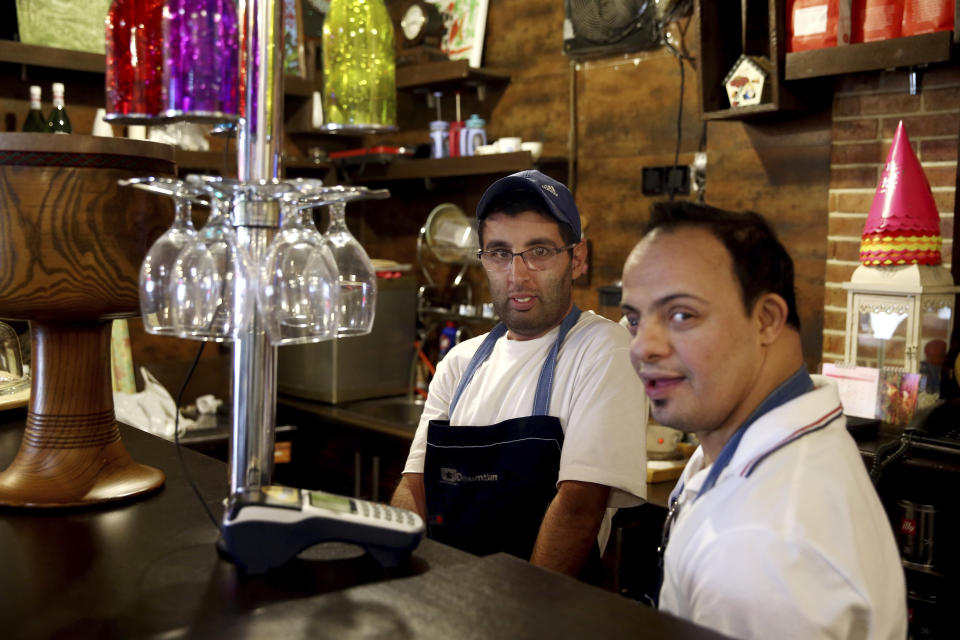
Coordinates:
column 488, row 487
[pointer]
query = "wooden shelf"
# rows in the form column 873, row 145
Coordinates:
column 416, row 78
column 227, row 164
column 723, row 40
column 307, row 163
column 297, row 86
column 206, row 161
column 438, row 74
column 19, row 53
column 39, row 56
column 403, row 169
column 740, row 112
column 870, row 56
column 797, row 81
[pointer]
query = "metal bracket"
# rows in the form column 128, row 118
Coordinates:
column 913, row 75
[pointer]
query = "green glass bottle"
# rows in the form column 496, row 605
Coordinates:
column 58, row 121
column 359, row 71
column 35, row 121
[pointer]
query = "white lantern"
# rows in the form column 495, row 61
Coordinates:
column 894, row 312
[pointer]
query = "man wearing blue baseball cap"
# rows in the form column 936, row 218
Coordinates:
column 533, row 434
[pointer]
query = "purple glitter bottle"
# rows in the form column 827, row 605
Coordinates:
column 200, row 42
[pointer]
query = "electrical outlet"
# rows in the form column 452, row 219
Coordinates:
column 654, row 181
column 658, row 181
column 678, row 180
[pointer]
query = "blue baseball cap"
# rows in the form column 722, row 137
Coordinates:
column 555, row 195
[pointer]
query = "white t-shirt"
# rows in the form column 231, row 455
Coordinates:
column 596, row 395
column 792, row 541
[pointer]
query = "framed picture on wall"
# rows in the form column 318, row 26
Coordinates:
column 466, row 23
column 294, row 62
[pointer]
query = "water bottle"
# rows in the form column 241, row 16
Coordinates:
column 439, row 134
column 473, row 136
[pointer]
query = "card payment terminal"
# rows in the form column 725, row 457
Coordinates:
column 265, row 528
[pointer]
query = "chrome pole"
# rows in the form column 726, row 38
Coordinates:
column 259, row 135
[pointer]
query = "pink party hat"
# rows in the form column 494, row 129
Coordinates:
column 903, row 226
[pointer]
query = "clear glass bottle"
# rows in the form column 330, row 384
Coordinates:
column 35, row 121
column 58, row 121
column 359, row 69
column 134, row 47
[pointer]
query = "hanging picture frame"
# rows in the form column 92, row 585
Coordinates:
column 465, row 22
column 294, row 59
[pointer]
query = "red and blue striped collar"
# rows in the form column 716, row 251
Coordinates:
column 806, row 429
column 793, row 387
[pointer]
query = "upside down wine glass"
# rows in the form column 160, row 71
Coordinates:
column 212, row 274
column 156, row 270
column 357, row 277
column 299, row 291
column 12, row 378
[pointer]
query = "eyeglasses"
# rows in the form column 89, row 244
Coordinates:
column 536, row 258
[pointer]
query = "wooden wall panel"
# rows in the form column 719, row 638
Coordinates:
column 629, row 108
column 525, row 38
column 781, row 170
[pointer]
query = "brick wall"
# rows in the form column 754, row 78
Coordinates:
column 866, row 109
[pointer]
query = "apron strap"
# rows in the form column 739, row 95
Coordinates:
column 486, row 348
column 541, row 402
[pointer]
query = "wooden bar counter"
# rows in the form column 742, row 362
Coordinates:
column 150, row 568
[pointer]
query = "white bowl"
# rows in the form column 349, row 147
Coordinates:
column 509, row 145
column 535, row 149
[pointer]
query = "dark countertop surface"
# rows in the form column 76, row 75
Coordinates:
column 149, row 568
column 397, row 417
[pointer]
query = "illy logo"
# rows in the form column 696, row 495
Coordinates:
column 908, row 526
column 549, row 188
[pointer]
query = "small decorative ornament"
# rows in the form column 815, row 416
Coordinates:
column 746, row 81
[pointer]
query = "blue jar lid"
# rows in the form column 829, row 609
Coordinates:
column 475, row 122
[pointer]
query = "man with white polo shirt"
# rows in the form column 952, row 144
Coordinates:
column 774, row 529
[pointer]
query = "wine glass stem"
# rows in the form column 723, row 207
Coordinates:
column 290, row 215
column 182, row 210
column 338, row 220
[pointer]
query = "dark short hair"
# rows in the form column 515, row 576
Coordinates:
column 761, row 264
column 513, row 203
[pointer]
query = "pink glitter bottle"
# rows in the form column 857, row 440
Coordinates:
column 200, row 42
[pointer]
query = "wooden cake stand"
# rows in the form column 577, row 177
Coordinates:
column 71, row 243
